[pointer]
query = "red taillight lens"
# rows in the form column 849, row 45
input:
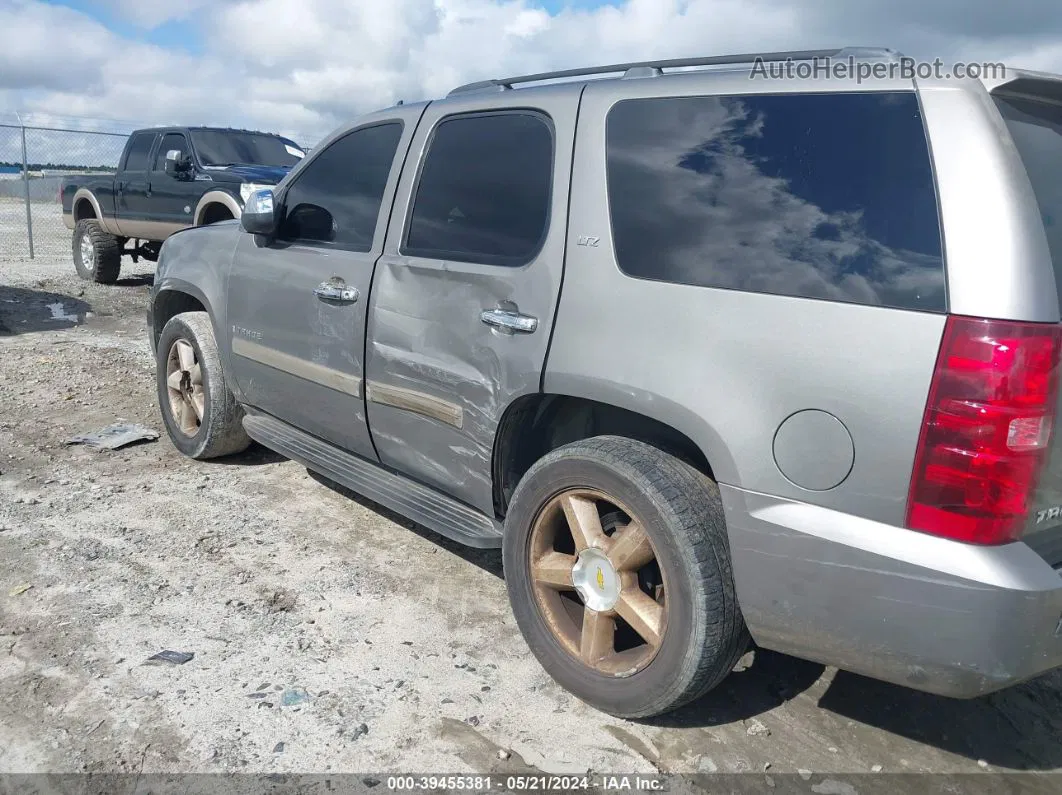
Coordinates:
column 987, row 429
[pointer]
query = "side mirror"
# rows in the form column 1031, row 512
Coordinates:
column 176, row 163
column 259, row 217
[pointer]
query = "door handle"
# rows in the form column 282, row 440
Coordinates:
column 337, row 293
column 511, row 322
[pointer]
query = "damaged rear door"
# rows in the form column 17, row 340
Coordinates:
column 464, row 296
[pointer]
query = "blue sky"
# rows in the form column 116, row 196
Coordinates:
column 302, row 67
column 179, row 34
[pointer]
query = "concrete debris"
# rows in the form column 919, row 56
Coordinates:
column 115, row 437
column 170, row 658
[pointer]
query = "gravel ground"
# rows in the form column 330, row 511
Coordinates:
column 330, row 635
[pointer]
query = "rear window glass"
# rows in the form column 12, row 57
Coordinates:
column 825, row 196
column 1036, row 128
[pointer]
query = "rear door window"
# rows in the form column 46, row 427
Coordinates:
column 827, row 196
column 139, row 154
column 485, row 189
column 1036, row 128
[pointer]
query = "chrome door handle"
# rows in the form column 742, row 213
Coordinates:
column 338, row 293
column 512, row 322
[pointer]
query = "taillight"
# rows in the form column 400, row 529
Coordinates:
column 987, row 429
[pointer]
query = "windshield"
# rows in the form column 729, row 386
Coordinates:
column 231, row 148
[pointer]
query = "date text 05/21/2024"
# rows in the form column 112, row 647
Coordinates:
column 526, row 783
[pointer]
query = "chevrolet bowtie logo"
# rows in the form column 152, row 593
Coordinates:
column 600, row 579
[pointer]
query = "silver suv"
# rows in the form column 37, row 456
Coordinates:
column 715, row 360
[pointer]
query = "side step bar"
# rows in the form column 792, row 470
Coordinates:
column 422, row 504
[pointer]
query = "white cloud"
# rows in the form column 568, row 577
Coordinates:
column 50, row 47
column 304, row 66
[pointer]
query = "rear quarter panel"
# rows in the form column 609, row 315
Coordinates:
column 99, row 191
column 727, row 368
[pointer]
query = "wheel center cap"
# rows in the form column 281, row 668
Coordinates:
column 596, row 580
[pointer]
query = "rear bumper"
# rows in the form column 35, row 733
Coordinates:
column 928, row 613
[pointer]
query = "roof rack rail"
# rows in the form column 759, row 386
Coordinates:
column 655, row 68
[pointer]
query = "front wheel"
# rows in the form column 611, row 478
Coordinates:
column 201, row 414
column 618, row 569
column 97, row 254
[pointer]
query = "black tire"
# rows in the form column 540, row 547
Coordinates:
column 681, row 510
column 104, row 262
column 220, row 431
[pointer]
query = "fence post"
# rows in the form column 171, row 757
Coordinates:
column 25, row 185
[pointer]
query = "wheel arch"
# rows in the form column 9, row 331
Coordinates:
column 85, row 206
column 173, row 299
column 217, row 198
column 534, row 425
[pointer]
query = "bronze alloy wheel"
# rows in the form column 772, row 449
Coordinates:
column 184, row 379
column 596, row 580
column 627, row 603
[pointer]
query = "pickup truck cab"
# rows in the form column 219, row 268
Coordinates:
column 168, row 179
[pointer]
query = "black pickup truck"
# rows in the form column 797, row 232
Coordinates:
column 168, row 178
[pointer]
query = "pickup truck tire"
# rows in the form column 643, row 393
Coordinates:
column 199, row 410
column 644, row 618
column 97, row 254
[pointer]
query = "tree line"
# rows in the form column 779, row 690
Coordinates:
column 53, row 166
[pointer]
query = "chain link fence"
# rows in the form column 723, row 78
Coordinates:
column 35, row 154
column 34, row 158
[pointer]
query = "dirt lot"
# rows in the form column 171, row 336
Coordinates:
column 329, row 635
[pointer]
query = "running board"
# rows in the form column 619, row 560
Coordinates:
column 422, row 504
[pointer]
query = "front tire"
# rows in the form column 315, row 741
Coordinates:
column 618, row 570
column 199, row 410
column 97, row 254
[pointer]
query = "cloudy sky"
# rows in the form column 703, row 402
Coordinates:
column 303, row 66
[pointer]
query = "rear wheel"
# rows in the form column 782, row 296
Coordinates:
column 97, row 254
column 618, row 570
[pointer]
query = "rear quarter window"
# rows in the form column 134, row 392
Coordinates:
column 827, row 196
